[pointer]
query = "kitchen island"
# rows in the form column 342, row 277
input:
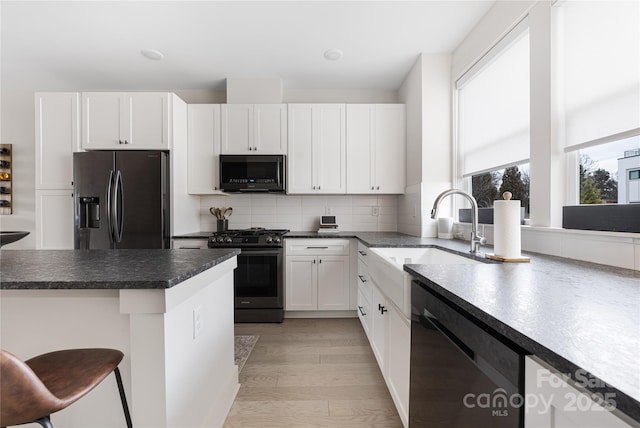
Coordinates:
column 169, row 311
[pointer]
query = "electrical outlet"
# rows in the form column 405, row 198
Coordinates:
column 197, row 321
column 327, row 210
column 375, row 211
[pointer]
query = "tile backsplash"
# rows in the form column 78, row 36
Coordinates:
column 302, row 212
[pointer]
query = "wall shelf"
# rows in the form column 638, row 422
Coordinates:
column 6, row 179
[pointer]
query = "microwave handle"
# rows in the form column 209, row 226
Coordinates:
column 279, row 166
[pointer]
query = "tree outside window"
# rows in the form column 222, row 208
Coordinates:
column 489, row 186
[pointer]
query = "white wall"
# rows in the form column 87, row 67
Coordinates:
column 426, row 92
column 18, row 128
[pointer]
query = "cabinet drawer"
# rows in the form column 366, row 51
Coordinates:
column 317, row 247
column 363, row 279
column 363, row 253
column 364, row 312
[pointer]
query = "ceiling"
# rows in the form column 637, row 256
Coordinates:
column 81, row 45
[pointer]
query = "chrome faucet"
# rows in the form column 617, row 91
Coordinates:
column 476, row 240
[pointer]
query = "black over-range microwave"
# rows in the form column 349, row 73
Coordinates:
column 252, row 173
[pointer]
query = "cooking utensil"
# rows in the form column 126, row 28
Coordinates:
column 227, row 213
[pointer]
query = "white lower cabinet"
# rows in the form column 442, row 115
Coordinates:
column 398, row 355
column 317, row 275
column 554, row 401
column 378, row 337
column 388, row 330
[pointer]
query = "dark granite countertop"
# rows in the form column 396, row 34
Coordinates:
column 105, row 269
column 573, row 315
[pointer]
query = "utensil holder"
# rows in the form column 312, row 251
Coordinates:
column 222, row 225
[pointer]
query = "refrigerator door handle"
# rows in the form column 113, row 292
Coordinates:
column 118, row 210
column 110, row 207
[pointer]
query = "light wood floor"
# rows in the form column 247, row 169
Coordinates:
column 311, row 373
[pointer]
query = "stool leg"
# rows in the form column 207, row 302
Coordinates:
column 123, row 398
column 45, row 422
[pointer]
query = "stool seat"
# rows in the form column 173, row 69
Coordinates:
column 30, row 391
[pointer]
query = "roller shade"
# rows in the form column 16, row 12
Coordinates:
column 493, row 107
column 598, row 70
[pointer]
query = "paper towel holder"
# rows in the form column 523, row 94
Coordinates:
column 507, row 197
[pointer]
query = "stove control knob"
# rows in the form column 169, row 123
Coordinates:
column 276, row 239
column 269, row 239
column 220, row 239
column 228, row 240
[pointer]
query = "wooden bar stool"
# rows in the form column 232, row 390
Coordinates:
column 30, row 391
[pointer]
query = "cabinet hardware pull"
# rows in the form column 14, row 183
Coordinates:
column 362, row 278
column 317, row 248
column 383, row 310
column 314, row 261
column 362, row 252
column 320, row 261
column 314, row 187
column 372, row 188
column 362, row 311
column 378, row 188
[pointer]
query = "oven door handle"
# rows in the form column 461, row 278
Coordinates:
column 260, row 252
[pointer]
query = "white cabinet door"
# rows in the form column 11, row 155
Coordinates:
column 560, row 404
column 270, row 128
column 125, row 121
column 148, row 120
column 301, row 174
column 317, row 149
column 237, row 129
column 379, row 327
column 333, row 283
column 360, row 148
column 57, row 137
column 301, row 283
column 398, row 354
column 390, row 143
column 203, row 148
column 102, row 120
column 330, row 149
column 376, row 148
column 54, row 219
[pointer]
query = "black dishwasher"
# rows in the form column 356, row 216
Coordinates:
column 462, row 374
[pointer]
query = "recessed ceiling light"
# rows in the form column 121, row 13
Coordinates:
column 333, row 54
column 152, row 54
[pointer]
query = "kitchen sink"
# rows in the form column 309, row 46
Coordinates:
column 388, row 275
column 422, row 256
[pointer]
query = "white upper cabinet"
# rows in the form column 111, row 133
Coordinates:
column 254, row 129
column 203, row 148
column 316, row 160
column 122, row 120
column 376, row 147
column 57, row 137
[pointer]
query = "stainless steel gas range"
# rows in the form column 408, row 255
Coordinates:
column 259, row 278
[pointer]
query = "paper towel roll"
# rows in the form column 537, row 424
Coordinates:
column 506, row 228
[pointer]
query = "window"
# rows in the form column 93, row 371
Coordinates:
column 605, row 169
column 489, row 186
column 597, row 70
column 493, row 121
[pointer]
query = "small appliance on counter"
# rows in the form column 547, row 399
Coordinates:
column 328, row 224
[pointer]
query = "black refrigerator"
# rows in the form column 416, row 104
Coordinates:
column 121, row 199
